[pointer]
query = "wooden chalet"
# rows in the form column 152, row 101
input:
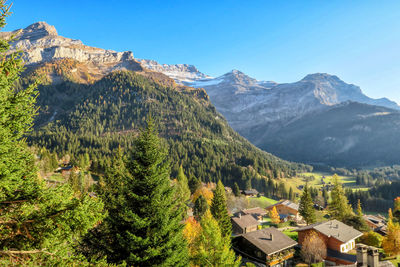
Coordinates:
column 257, row 212
column 286, row 209
column 376, row 223
column 267, row 246
column 338, row 237
column 250, row 193
column 242, row 224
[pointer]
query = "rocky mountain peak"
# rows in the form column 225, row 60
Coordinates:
column 38, row 30
column 236, row 76
column 321, row 77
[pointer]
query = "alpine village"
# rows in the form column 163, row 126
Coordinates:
column 111, row 160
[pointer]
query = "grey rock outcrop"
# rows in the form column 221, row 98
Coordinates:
column 40, row 43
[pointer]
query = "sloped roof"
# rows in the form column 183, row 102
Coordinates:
column 287, row 203
column 250, row 192
column 335, row 229
column 375, row 219
column 245, row 221
column 262, row 240
column 256, row 211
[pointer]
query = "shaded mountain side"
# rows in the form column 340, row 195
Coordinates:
column 95, row 118
column 346, row 135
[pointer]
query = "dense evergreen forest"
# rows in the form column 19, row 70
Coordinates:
column 96, row 118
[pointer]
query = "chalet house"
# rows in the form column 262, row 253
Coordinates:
column 258, row 213
column 376, row 223
column 242, row 224
column 338, row 237
column 250, row 193
column 267, row 246
column 286, row 209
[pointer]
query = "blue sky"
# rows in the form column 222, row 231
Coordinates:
column 269, row 40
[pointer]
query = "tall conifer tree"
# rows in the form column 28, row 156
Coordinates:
column 339, row 207
column 144, row 226
column 306, row 208
column 220, row 211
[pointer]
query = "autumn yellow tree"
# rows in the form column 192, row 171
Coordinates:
column 313, row 248
column 391, row 242
column 191, row 232
column 205, row 192
column 274, row 215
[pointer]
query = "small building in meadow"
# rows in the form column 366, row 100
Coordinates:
column 338, row 237
column 250, row 193
column 286, row 209
column 242, row 224
column 268, row 246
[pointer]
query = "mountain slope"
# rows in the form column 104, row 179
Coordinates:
column 247, row 103
column 293, row 120
column 348, row 134
column 111, row 112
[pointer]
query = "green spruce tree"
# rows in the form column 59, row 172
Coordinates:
column 144, row 225
column 236, row 190
column 200, row 207
column 39, row 225
column 182, row 191
column 306, row 208
column 220, row 211
column 339, row 206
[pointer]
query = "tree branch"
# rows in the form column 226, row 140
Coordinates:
column 22, row 252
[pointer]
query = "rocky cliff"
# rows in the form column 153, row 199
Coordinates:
column 41, row 43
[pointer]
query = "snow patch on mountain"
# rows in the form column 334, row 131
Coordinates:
column 181, row 73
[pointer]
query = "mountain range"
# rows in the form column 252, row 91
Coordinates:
column 93, row 100
column 260, row 111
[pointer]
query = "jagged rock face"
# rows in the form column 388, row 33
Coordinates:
column 41, row 43
column 181, row 73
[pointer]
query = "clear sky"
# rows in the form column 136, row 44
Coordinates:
column 269, row 40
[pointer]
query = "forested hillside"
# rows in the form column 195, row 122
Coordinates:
column 95, row 118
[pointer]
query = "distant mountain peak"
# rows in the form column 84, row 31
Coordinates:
column 37, row 30
column 321, row 76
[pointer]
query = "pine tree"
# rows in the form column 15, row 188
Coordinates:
column 339, row 207
column 183, row 191
column 39, row 224
column 236, row 190
column 291, row 193
column 211, row 247
column 220, row 211
column 144, row 225
column 200, row 207
column 306, row 208
column 359, row 209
